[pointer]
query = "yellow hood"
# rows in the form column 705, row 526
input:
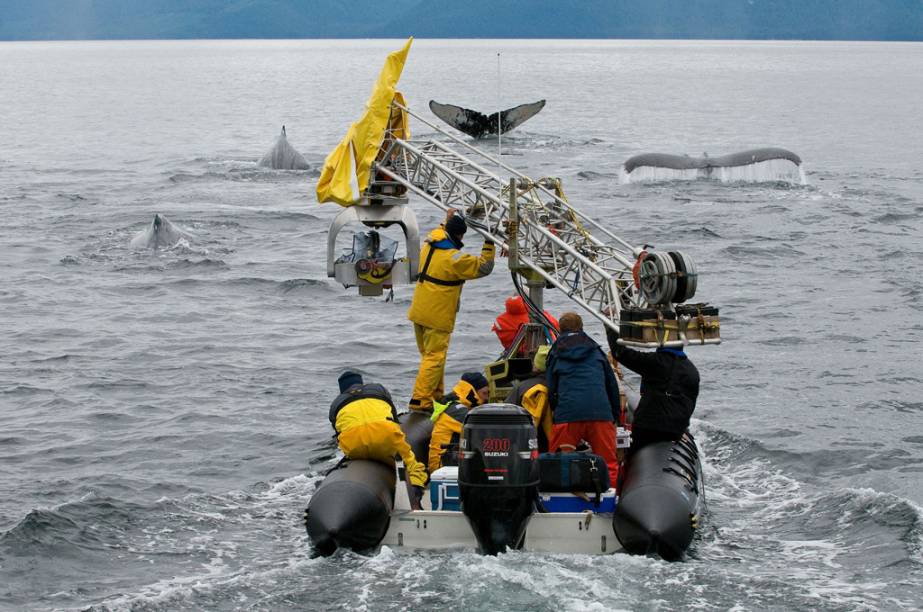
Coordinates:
column 466, row 393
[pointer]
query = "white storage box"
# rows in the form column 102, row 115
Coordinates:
column 443, row 489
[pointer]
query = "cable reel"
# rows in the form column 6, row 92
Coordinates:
column 666, row 277
column 686, row 276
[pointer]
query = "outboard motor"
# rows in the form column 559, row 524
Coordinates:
column 498, row 474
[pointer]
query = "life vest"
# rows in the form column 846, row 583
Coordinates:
column 448, row 417
column 442, row 273
column 358, row 392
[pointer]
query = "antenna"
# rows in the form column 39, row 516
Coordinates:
column 499, row 124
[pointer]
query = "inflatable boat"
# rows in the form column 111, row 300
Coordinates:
column 494, row 500
column 499, row 496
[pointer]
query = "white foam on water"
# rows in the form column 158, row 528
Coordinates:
column 299, row 485
column 229, row 534
column 761, row 519
column 211, row 578
column 868, row 502
column 515, row 580
column 183, row 247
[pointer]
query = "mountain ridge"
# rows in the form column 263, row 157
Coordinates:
column 899, row 20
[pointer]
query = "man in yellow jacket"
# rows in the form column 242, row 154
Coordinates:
column 443, row 271
column 532, row 394
column 365, row 420
column 449, row 415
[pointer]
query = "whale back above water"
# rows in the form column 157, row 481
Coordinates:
column 159, row 234
column 283, row 156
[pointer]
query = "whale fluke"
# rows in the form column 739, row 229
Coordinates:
column 723, row 167
column 283, row 156
column 478, row 124
column 160, row 234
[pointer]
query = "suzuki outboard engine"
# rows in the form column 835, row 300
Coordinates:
column 498, row 474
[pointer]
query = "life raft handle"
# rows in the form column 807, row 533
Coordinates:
column 685, row 477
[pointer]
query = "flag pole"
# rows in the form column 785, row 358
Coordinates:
column 499, row 124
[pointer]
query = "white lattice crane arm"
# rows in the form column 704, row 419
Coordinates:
column 590, row 264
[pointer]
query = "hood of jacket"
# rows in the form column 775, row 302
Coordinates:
column 440, row 239
column 515, row 305
column 466, row 393
column 462, row 393
column 574, row 346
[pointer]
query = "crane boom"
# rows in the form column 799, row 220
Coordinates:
column 549, row 241
column 570, row 251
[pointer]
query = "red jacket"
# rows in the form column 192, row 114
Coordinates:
column 508, row 323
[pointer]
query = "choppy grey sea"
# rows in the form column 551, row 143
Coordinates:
column 163, row 414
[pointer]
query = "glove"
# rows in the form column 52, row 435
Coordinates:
column 415, row 494
column 612, row 337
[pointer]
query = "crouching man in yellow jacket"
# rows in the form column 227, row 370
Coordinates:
column 449, row 416
column 436, row 299
column 365, row 420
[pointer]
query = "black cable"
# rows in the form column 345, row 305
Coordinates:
column 537, row 312
column 532, row 306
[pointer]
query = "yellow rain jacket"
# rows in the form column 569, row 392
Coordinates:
column 448, row 418
column 366, row 431
column 532, row 394
column 535, row 401
column 346, row 170
column 443, row 271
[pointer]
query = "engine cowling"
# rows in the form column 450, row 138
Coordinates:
column 498, row 475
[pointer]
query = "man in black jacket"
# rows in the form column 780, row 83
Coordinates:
column 669, row 389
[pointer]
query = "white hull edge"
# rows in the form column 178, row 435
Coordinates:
column 552, row 532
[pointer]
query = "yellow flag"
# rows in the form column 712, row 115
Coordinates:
column 346, row 170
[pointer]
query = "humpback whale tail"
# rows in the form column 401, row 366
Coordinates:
column 283, row 156
column 478, row 124
column 770, row 164
column 159, row 234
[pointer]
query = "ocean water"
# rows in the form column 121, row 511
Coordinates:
column 163, row 414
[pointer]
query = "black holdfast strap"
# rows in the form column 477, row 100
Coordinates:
column 597, row 483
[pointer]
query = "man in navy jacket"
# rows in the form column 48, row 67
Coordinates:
column 583, row 393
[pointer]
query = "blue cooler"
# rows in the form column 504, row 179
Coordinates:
column 443, row 489
column 568, row 502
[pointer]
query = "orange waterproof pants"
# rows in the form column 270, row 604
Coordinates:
column 600, row 435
